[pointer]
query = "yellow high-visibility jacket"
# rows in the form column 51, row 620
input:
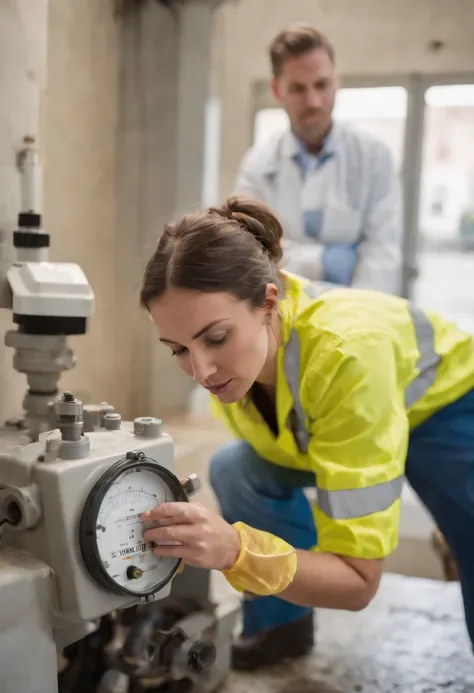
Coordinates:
column 356, row 371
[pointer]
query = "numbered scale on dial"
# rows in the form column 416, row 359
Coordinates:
column 111, row 532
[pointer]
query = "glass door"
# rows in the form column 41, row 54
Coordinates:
column 380, row 111
column 445, row 281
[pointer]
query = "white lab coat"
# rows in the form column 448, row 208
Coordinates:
column 357, row 190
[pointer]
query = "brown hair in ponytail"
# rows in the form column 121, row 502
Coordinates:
column 234, row 248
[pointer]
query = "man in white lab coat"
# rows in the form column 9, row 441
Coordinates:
column 335, row 189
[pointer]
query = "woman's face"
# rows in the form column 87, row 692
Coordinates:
column 223, row 343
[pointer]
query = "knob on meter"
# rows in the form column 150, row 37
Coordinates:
column 111, row 531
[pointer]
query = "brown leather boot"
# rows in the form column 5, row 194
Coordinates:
column 289, row 641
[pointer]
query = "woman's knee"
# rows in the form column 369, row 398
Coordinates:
column 226, row 466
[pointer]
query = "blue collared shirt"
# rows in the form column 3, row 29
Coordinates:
column 338, row 259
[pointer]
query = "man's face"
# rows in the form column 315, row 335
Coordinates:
column 306, row 88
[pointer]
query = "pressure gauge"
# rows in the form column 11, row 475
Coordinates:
column 111, row 531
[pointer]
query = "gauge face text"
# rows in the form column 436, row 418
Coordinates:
column 125, row 557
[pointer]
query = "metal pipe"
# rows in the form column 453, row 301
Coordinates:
column 23, row 57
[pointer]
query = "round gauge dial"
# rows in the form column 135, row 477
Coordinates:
column 111, row 531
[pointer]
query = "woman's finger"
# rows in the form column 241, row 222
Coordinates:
column 172, row 551
column 172, row 513
column 187, row 554
column 184, row 534
column 168, row 522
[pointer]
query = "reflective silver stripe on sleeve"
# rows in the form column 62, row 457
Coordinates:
column 291, row 364
column 358, row 502
column 428, row 361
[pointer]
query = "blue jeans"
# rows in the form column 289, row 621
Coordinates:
column 439, row 467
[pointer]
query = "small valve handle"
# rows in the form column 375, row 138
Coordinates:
column 191, row 485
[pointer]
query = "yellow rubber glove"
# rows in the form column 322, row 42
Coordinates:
column 265, row 565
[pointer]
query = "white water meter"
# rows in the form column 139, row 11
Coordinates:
column 111, row 532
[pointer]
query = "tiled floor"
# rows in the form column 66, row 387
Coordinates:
column 411, row 639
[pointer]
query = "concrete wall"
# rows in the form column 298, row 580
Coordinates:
column 80, row 132
column 165, row 79
column 116, row 171
column 370, row 38
column 76, row 78
column 125, row 131
column 121, row 136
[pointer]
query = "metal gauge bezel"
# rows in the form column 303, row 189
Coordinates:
column 88, row 522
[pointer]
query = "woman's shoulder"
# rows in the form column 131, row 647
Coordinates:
column 328, row 312
column 340, row 328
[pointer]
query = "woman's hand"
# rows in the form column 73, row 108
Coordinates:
column 192, row 532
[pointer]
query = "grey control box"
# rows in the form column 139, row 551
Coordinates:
column 42, row 498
